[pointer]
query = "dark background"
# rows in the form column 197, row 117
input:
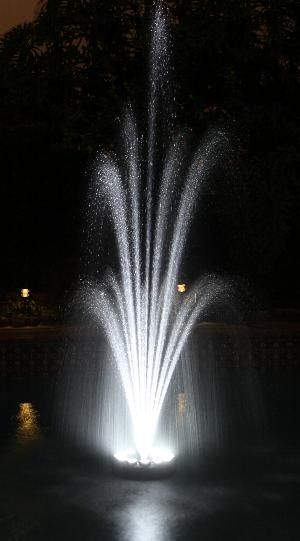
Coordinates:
column 64, row 79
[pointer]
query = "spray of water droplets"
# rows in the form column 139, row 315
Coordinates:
column 150, row 193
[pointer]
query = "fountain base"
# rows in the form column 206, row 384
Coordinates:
column 131, row 466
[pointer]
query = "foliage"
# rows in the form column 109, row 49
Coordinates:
column 65, row 77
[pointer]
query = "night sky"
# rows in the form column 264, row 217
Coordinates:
column 13, row 12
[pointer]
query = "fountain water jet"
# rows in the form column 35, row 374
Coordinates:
column 150, row 195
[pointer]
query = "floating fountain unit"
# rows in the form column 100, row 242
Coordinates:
column 156, row 465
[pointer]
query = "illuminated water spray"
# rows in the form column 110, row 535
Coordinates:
column 150, row 194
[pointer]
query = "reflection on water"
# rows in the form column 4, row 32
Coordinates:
column 150, row 522
column 28, row 426
column 181, row 404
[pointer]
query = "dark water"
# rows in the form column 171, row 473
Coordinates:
column 49, row 491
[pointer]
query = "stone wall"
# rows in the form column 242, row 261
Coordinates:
column 44, row 352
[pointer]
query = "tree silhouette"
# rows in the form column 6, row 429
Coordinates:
column 66, row 76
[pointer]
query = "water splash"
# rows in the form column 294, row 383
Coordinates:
column 150, row 195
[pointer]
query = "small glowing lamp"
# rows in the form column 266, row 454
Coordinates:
column 181, row 288
column 25, row 293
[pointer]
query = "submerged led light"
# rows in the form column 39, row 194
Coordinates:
column 120, row 457
column 154, row 458
column 156, row 465
column 145, row 461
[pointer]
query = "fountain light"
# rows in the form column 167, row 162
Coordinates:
column 156, row 457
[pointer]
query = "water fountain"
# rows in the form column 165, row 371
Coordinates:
column 149, row 190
